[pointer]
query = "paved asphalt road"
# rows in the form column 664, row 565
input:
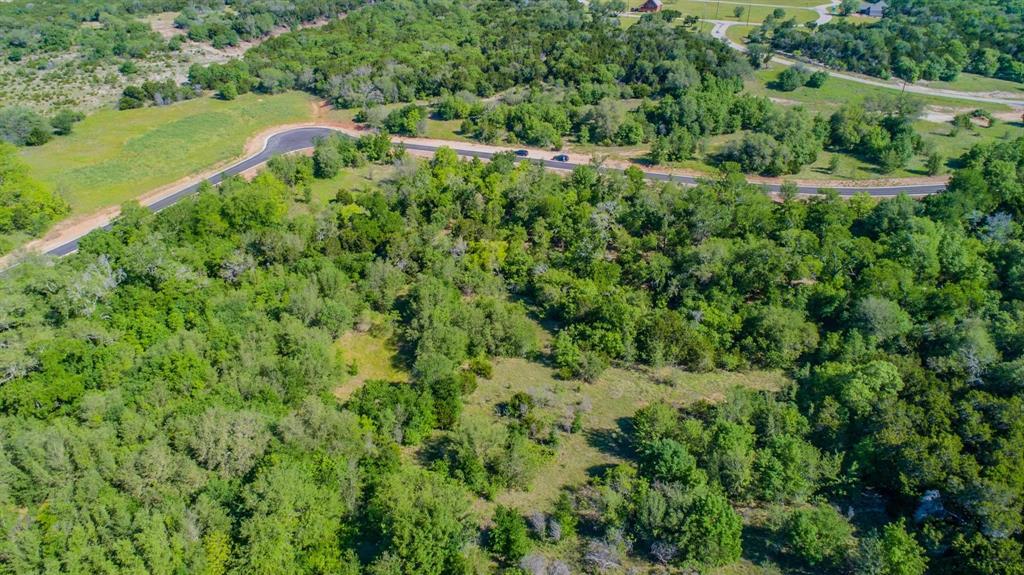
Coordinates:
column 301, row 138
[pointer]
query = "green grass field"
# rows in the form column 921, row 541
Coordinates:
column 739, row 33
column 114, row 156
column 351, row 179
column 975, row 83
column 754, row 13
column 837, row 92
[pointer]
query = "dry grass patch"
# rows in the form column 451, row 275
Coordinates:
column 374, row 356
column 608, row 405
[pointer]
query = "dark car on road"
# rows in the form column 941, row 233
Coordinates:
column 522, row 153
column 561, row 158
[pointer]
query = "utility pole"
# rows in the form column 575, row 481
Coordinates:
column 748, row 14
column 718, row 6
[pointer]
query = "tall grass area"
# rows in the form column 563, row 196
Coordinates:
column 610, row 401
column 114, row 156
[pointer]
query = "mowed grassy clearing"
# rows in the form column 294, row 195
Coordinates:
column 838, row 91
column 374, row 357
column 363, row 178
column 114, row 156
column 755, row 14
column 739, row 33
column 975, row 83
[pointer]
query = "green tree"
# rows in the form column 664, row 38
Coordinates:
column 818, row 535
column 792, row 78
column 64, row 121
column 776, row 336
column 422, row 520
column 228, row 92
column 327, row 160
column 893, row 552
column 934, row 164
column 25, row 204
column 22, row 126
column 407, row 120
column 508, row 538
column 710, row 532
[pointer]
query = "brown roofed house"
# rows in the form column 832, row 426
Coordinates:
column 649, row 6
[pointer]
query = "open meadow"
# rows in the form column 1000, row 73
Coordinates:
column 114, row 156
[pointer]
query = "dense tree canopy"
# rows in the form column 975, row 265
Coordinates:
column 915, row 39
column 573, row 67
column 171, row 376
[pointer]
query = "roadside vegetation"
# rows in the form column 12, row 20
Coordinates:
column 671, row 102
column 112, row 156
column 27, row 207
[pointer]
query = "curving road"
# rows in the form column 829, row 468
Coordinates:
column 303, row 138
column 720, row 28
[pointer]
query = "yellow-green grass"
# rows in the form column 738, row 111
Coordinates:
column 724, row 5
column 837, row 92
column 603, row 442
column 751, row 14
column 739, row 33
column 779, row 3
column 445, row 130
column 976, row 83
column 114, row 156
column 366, row 177
column 704, row 27
column 375, row 358
column 616, row 395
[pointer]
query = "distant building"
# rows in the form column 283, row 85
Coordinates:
column 649, row 6
column 874, row 9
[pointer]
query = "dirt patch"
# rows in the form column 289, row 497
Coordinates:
column 163, row 24
column 944, row 114
column 785, row 102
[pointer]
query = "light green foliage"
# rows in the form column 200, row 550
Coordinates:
column 63, row 121
column 936, row 44
column 777, row 336
column 165, row 402
column 424, row 521
column 818, row 535
column 26, row 205
column 892, row 552
column 407, row 121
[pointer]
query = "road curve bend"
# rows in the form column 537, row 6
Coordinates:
column 302, row 138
